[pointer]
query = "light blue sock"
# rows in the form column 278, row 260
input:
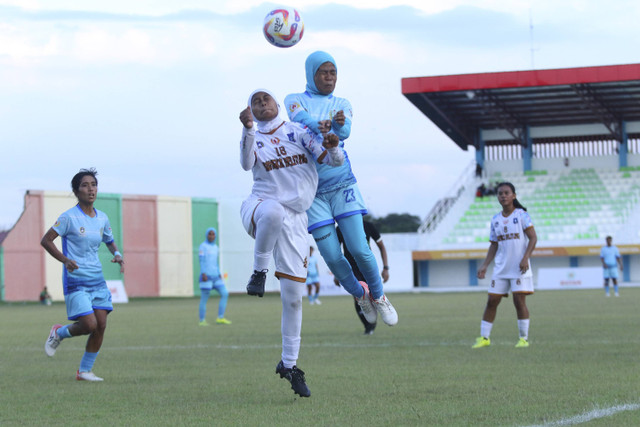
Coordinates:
column 88, row 359
column 615, row 288
column 204, row 296
column 310, row 298
column 327, row 240
column 224, row 297
column 356, row 241
column 63, row 332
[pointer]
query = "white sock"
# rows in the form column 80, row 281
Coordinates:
column 485, row 329
column 523, row 327
column 291, row 295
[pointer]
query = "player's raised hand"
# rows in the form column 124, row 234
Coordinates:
column 246, row 118
column 330, row 140
column 339, row 118
column 324, row 126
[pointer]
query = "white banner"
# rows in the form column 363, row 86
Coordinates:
column 118, row 294
column 570, row 278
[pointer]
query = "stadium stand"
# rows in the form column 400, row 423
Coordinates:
column 569, row 141
column 578, row 205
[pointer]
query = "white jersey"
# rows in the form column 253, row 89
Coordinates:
column 508, row 232
column 284, row 164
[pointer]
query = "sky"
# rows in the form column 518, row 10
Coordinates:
column 149, row 92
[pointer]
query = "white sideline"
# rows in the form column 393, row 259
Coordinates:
column 592, row 415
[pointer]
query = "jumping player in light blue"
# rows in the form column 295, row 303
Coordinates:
column 83, row 228
column 611, row 261
column 338, row 198
column 210, row 278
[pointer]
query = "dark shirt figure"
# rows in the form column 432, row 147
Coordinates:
column 370, row 231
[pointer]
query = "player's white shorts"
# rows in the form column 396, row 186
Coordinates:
column 610, row 272
column 521, row 285
column 292, row 247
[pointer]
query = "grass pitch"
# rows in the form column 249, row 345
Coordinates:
column 161, row 368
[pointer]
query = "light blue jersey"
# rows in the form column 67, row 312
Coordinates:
column 309, row 108
column 81, row 238
column 312, row 270
column 610, row 255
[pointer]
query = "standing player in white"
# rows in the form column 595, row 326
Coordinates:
column 513, row 239
column 83, row 228
column 281, row 156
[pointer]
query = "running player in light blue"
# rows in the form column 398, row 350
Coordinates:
column 210, row 278
column 83, row 228
column 338, row 198
column 611, row 261
column 313, row 278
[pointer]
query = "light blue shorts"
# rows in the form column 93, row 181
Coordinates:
column 216, row 282
column 313, row 278
column 333, row 205
column 610, row 272
column 85, row 299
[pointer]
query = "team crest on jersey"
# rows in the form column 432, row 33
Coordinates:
column 275, row 141
column 57, row 224
column 293, row 107
column 305, row 263
column 515, row 220
column 81, row 230
column 260, row 144
column 291, row 137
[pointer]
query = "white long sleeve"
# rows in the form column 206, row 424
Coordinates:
column 247, row 153
column 335, row 157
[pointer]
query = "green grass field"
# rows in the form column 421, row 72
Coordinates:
column 161, row 368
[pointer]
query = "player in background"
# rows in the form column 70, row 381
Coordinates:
column 313, row 278
column 338, row 198
column 210, row 278
column 281, row 156
column 610, row 257
column 370, row 231
column 513, row 239
column 82, row 228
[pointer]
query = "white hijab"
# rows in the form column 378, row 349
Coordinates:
column 271, row 124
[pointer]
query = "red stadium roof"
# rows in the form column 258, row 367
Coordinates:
column 462, row 105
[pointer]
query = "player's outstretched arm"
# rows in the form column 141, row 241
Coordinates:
column 247, row 155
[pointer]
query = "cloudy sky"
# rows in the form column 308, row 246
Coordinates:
column 149, row 91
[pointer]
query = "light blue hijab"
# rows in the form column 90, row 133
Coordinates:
column 206, row 236
column 311, row 65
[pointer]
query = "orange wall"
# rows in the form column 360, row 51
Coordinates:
column 23, row 255
column 140, row 246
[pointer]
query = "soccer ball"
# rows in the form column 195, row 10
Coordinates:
column 283, row 27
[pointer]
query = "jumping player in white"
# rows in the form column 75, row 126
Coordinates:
column 281, row 156
column 513, row 240
column 338, row 198
column 82, row 228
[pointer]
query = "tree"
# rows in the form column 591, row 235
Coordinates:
column 396, row 223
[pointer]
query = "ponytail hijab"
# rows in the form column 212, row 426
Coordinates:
column 516, row 203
